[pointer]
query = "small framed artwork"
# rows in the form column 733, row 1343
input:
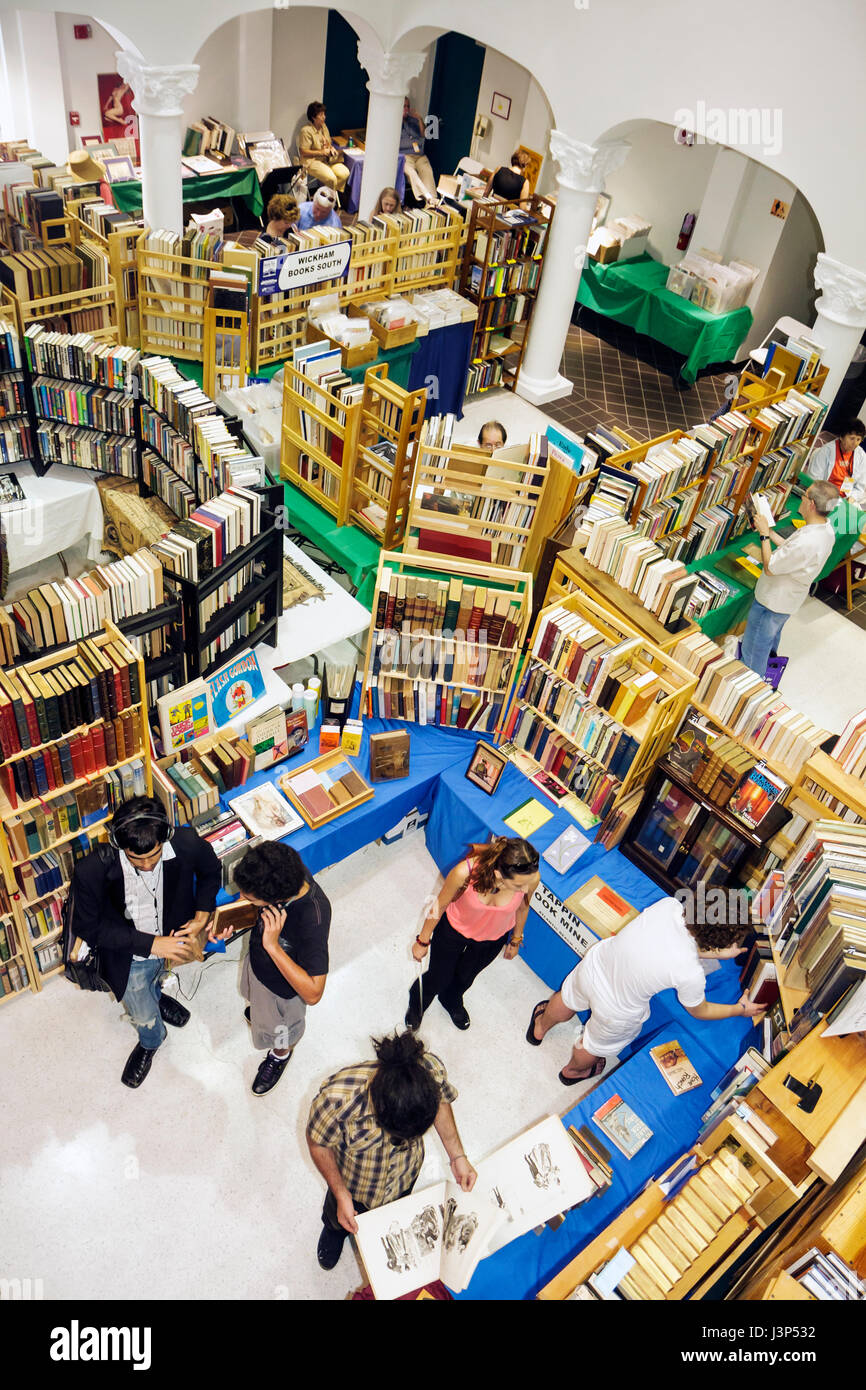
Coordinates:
column 88, row 141
column 501, row 106
column 119, row 168
column 486, row 767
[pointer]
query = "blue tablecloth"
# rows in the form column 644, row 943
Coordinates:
column 462, row 813
column 520, row 1269
column 354, row 161
column 444, row 355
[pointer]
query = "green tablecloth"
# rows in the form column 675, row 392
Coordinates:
column 234, row 183
column 351, row 548
column 399, row 361
column 633, row 292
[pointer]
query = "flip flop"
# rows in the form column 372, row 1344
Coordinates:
column 594, row 1070
column 530, row 1032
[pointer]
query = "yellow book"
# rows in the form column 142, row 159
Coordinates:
column 684, row 1236
column 699, row 1187
column 527, row 818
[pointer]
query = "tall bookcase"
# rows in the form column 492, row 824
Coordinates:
column 122, row 250
column 445, row 641
column 50, row 826
column 501, row 273
column 18, row 424
column 589, row 745
column 173, row 293
column 320, row 442
column 390, row 426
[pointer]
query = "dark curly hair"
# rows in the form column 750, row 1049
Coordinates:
column 314, row 108
column 272, row 872
column 404, row 1092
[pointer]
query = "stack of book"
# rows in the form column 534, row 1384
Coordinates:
column 198, row 546
column 14, row 975
column 736, row 1083
column 79, row 357
column 849, row 750
column 641, row 568
column 68, row 609
column 722, row 770
column 758, row 974
column 826, row 1277
column 209, row 137
column 191, row 782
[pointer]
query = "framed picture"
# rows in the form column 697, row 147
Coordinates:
column 501, row 106
column 118, row 168
column 87, row 141
column 115, row 105
column 486, row 766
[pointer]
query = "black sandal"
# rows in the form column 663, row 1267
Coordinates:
column 597, row 1066
column 530, row 1032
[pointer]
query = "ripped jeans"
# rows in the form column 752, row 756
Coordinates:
column 141, row 1001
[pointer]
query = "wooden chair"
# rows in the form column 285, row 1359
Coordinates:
column 856, row 555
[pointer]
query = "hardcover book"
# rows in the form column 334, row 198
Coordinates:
column 675, row 1067
column 621, row 1125
column 235, row 687
column 389, row 755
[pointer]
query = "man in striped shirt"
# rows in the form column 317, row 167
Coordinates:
column 365, row 1134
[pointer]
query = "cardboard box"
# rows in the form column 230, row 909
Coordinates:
column 350, row 356
column 131, row 521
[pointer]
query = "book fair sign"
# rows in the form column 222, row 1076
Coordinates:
column 297, row 269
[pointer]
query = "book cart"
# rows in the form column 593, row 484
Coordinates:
column 28, row 948
column 427, row 259
column 320, row 442
column 571, row 573
column 429, row 603
column 390, row 426
column 122, row 250
column 99, row 304
column 173, row 296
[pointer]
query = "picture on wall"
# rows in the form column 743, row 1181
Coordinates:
column 119, row 121
column 501, row 106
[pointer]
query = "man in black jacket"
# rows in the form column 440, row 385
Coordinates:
column 141, row 903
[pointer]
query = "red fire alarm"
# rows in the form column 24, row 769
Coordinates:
column 74, row 118
column 82, row 31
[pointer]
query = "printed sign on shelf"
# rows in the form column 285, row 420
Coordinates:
column 297, row 269
column 554, row 912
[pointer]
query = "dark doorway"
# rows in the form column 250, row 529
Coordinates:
column 454, row 99
column 345, row 94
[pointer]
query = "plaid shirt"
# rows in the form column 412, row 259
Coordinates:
column 375, row 1168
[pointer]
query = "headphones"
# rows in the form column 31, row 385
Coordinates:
column 120, row 821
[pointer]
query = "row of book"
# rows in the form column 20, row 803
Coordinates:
column 80, row 357
column 573, row 648
column 524, row 237
column 483, row 375
column 54, row 270
column 743, row 702
column 502, row 313
column 172, row 447
column 827, row 1277
column 849, row 750
column 243, row 631
column 640, row 567
column 14, row 976
column 428, row 702
column 16, row 442
column 45, row 919
column 79, row 447
column 163, row 480
column 418, row 229
column 13, row 400
column 37, row 706
column 587, row 726
column 52, row 820
column 10, row 348
column 37, row 775
column 179, row 400
column 447, row 607
column 47, row 872
column 93, row 406
column 67, row 609
column 503, row 280
column 196, row 547
column 595, row 783
column 446, row 659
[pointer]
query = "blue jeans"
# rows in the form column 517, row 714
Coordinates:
column 141, row 1001
column 761, row 637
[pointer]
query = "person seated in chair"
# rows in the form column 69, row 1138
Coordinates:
column 320, row 211
column 320, row 157
column 512, row 185
column 415, row 162
column 842, row 462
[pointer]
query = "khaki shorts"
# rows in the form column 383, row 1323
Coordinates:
column 276, row 1023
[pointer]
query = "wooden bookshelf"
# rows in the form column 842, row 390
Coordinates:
column 390, row 416
column 97, row 828
column 571, row 572
column 122, row 249
column 320, row 443
column 466, row 502
column 426, row 259
column 226, row 348
column 655, row 730
column 99, row 303
column 513, row 283
column 821, row 776
column 173, row 294
column 488, row 665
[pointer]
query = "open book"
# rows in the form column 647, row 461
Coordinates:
column 443, row 1232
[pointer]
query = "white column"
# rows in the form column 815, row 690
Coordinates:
column 390, row 75
column 158, row 100
column 582, row 172
column 840, row 317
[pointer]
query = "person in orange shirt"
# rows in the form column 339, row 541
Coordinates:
column 842, row 462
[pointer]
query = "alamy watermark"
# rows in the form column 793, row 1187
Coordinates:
column 753, row 127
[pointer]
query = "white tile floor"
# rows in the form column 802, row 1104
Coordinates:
column 191, row 1187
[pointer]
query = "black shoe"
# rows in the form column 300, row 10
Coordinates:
column 414, row 1014
column 269, row 1073
column 330, row 1247
column 173, row 1012
column 137, row 1065
column 247, row 1015
column 458, row 1015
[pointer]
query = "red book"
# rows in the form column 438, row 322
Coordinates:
column 47, row 768
column 512, row 722
column 76, row 753
column 443, row 705
column 100, row 752
column 7, row 782
column 87, row 751
column 453, row 543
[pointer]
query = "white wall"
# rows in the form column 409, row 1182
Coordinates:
column 32, row 74
column 535, row 134
column 500, row 74
column 297, row 67
column 81, row 61
column 756, row 237
column 217, row 92
column 661, row 181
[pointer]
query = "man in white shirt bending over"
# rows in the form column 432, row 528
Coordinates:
column 788, row 573
column 618, row 978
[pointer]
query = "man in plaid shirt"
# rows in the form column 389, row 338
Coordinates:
column 365, row 1134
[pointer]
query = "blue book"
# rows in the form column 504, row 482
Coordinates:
column 235, row 687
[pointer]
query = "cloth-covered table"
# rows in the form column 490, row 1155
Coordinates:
column 354, row 161
column 199, row 188
column 399, row 360
column 350, row 547
column 443, row 354
column 62, row 508
column 633, row 292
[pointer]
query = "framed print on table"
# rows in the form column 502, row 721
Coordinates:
column 486, row 766
column 501, row 106
column 119, row 168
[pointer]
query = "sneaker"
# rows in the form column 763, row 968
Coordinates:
column 269, row 1073
column 458, row 1015
column 330, row 1247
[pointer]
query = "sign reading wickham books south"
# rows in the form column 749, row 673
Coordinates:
column 297, row 269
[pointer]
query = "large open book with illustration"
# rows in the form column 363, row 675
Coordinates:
column 443, row 1232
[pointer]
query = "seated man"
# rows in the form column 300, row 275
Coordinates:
column 366, row 1133
column 320, row 211
column 415, row 162
column 843, row 462
column 492, row 436
column 320, row 158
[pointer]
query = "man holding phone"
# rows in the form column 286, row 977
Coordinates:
column 287, row 964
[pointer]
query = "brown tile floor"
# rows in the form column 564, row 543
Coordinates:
column 622, row 378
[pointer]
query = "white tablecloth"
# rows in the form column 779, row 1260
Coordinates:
column 307, row 627
column 62, row 508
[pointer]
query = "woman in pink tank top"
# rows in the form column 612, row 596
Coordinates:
column 481, row 906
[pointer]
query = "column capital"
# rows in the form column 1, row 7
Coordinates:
column 843, row 297
column 157, row 91
column 584, row 168
column 390, row 73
